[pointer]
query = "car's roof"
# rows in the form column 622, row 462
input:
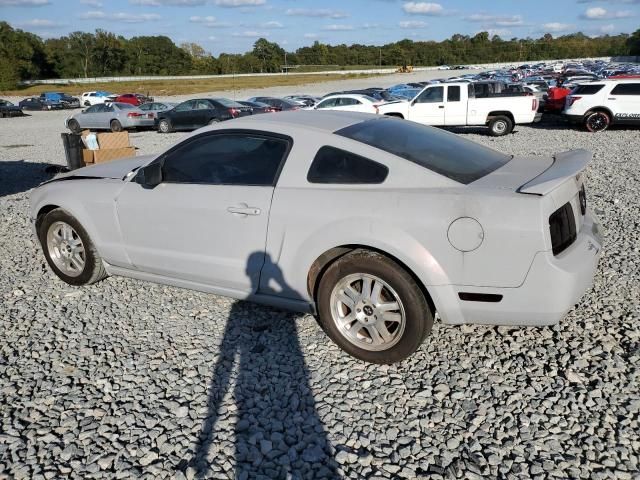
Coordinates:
column 359, row 96
column 326, row 121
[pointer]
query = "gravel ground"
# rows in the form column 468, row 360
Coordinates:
column 125, row 379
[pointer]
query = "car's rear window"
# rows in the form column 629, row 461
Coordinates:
column 124, row 106
column 442, row 152
column 225, row 102
column 587, row 89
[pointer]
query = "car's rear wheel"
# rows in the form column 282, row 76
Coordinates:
column 116, row 126
column 500, row 125
column 74, row 126
column 164, row 126
column 597, row 121
column 68, row 249
column 373, row 308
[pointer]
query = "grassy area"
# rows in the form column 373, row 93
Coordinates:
column 183, row 87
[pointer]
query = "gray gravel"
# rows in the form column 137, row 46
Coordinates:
column 125, row 379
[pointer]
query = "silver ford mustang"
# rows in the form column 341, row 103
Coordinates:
column 375, row 224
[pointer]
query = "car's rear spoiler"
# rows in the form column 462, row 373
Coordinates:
column 565, row 165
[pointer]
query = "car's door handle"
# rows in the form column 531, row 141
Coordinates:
column 610, row 98
column 244, row 209
column 441, row 106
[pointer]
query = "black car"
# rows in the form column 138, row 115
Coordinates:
column 257, row 107
column 197, row 113
column 36, row 103
column 8, row 109
column 279, row 104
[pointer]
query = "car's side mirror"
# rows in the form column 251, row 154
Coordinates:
column 150, row 176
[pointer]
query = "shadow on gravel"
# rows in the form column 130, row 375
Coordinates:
column 278, row 433
column 20, row 176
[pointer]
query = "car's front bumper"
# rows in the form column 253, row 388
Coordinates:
column 553, row 285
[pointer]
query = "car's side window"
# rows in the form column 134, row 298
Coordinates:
column 453, row 94
column 93, row 109
column 327, row 103
column 626, row 89
column 431, row 95
column 226, row 159
column 183, row 107
column 333, row 165
column 203, row 105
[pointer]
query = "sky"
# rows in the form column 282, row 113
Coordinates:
column 233, row 25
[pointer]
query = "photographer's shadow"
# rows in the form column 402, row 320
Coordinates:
column 278, row 433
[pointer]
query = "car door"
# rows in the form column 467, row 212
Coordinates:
column 455, row 110
column 624, row 102
column 203, row 112
column 207, row 221
column 88, row 119
column 182, row 117
column 328, row 103
column 428, row 107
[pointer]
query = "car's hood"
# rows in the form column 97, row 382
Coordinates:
column 117, row 169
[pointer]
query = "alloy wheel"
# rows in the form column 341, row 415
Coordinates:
column 368, row 312
column 66, row 249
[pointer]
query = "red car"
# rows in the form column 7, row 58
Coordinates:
column 135, row 99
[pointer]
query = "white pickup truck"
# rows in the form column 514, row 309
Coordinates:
column 454, row 104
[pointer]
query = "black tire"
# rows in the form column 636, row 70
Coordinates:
column 597, row 121
column 116, row 126
column 417, row 313
column 500, row 125
column 87, row 104
column 164, row 126
column 74, row 126
column 93, row 270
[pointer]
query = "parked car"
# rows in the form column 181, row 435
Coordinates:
column 112, row 116
column 257, row 107
column 153, row 108
column 349, row 103
column 8, row 109
column 504, row 240
column 67, row 100
column 377, row 93
column 279, row 104
column 305, row 100
column 197, row 113
column 135, row 99
column 93, row 98
column 598, row 105
column 454, row 104
column 37, row 103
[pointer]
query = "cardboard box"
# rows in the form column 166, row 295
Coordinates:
column 113, row 140
column 111, row 147
column 108, row 154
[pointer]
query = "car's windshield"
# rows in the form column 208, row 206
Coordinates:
column 442, row 152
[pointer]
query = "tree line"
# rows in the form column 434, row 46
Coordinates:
column 25, row 56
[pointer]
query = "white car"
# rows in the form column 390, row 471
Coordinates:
column 454, row 104
column 93, row 98
column 597, row 105
column 444, row 67
column 349, row 103
column 373, row 223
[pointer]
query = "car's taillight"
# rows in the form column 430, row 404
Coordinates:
column 571, row 100
column 234, row 112
column 134, row 114
column 534, row 104
column 151, row 115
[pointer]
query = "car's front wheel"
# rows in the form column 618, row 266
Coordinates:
column 373, row 308
column 74, row 126
column 68, row 249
